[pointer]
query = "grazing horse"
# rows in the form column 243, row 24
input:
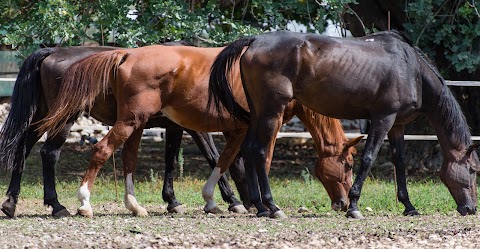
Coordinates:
column 37, row 86
column 380, row 77
column 174, row 81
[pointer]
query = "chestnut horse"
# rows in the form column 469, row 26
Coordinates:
column 173, row 80
column 380, row 77
column 37, row 86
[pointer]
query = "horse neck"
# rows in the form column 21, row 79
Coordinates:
column 326, row 132
column 449, row 123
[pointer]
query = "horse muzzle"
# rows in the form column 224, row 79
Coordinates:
column 340, row 205
column 467, row 209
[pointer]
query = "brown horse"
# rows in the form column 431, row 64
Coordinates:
column 173, row 80
column 380, row 77
column 37, row 86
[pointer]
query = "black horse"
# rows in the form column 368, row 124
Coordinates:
column 380, row 77
column 37, row 86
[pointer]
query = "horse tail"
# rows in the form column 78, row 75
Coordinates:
column 23, row 106
column 82, row 83
column 219, row 90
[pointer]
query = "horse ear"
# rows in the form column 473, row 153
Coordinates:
column 472, row 148
column 353, row 142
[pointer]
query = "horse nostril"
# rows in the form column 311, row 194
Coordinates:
column 472, row 210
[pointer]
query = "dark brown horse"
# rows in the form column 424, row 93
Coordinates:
column 380, row 77
column 37, row 86
column 173, row 80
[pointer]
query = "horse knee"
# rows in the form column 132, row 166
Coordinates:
column 101, row 152
column 49, row 156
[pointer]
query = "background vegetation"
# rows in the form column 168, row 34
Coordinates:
column 447, row 30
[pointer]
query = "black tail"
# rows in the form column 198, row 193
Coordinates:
column 219, row 90
column 23, row 106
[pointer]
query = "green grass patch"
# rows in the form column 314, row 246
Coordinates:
column 429, row 197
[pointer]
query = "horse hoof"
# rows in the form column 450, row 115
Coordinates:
column 60, row 214
column 177, row 210
column 141, row 213
column 214, row 210
column 88, row 213
column 278, row 215
column 413, row 212
column 8, row 209
column 239, row 209
column 264, row 214
column 355, row 214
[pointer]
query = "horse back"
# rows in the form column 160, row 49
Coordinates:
column 349, row 72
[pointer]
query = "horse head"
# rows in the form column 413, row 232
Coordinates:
column 460, row 177
column 335, row 173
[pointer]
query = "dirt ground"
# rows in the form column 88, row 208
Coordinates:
column 114, row 227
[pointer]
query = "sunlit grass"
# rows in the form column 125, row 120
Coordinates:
column 428, row 197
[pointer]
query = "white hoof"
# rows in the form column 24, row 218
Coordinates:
column 239, row 209
column 180, row 209
column 85, row 211
column 355, row 215
column 278, row 215
column 140, row 212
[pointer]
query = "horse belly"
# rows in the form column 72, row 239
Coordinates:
column 334, row 102
column 198, row 120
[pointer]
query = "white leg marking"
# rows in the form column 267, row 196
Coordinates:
column 209, row 188
column 83, row 195
column 130, row 200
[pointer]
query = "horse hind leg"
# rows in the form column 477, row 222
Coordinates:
column 228, row 155
column 397, row 144
column 50, row 153
column 257, row 150
column 206, row 145
column 50, row 196
column 173, row 138
column 129, row 158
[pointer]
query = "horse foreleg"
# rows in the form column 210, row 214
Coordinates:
column 50, row 153
column 101, row 152
column 206, row 145
column 397, row 144
column 228, row 155
column 378, row 130
column 129, row 158
column 173, row 138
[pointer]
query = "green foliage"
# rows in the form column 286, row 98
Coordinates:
column 129, row 23
column 449, row 26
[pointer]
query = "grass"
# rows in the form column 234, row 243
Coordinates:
column 428, row 197
column 292, row 184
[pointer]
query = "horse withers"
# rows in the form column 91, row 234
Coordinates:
column 380, row 77
column 174, row 81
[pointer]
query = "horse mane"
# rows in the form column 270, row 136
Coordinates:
column 331, row 129
column 454, row 119
column 400, row 35
column 450, row 109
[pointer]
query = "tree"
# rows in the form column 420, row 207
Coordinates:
column 449, row 32
column 26, row 25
